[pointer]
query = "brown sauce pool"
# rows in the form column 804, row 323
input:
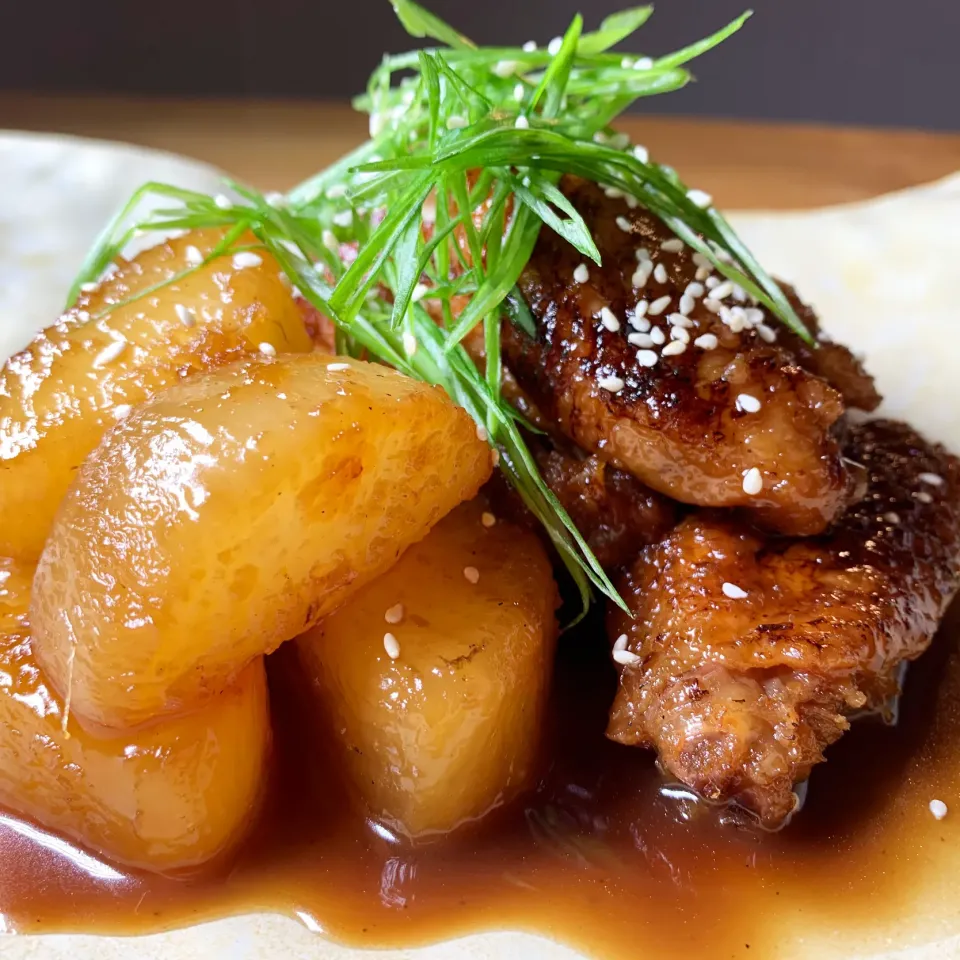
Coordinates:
column 603, row 854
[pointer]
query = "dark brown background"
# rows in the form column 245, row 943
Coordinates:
column 881, row 62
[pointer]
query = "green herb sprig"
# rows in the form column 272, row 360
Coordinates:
column 444, row 203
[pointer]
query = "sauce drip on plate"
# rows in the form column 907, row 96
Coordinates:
column 603, row 854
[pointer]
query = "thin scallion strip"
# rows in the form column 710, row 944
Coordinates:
column 467, row 147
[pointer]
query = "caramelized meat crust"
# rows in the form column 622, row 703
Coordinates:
column 615, row 513
column 749, row 654
column 695, row 422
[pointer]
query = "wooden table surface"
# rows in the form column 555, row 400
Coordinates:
column 274, row 144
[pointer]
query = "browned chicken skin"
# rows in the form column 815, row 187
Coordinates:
column 682, row 426
column 751, row 652
column 615, row 512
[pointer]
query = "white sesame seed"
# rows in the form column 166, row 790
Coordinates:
column 658, row 336
column 752, row 481
column 660, row 273
column 553, row 47
column 626, row 63
column 735, row 321
column 505, row 68
column 747, row 403
column 767, row 334
column 184, row 314
column 892, row 517
column 581, row 274
column 409, row 343
column 694, row 290
column 754, row 317
column 642, row 254
column 246, row 258
column 922, row 496
column 611, row 383
column 732, row 591
column 624, row 224
column 640, row 340
column 641, row 153
column 642, row 63
column 722, row 290
column 711, row 283
column 391, row 645
column 482, row 433
column 337, row 191
column 658, row 306
column 647, row 358
column 674, row 348
column 419, row 291
column 714, row 306
column 518, row 92
column 609, row 320
column 522, row 123
column 338, row 366
column 472, row 574
column 487, row 518
column 739, row 294
column 529, row 47
column 640, row 311
column 625, row 658
column 631, row 200
column 88, row 287
column 109, row 353
column 620, row 141
column 223, row 201
column 938, row 808
column 934, row 479
column 456, row 122
column 637, row 319
column 706, row 341
column 613, row 193
column 343, row 219
column 687, row 303
column 679, row 333
column 621, row 642
column 679, row 320
column 700, row 260
column 640, row 277
column 674, row 245
column 394, row 614
column 700, row 198
column 329, row 241
column 267, row 349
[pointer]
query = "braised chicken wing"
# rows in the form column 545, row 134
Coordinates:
column 615, row 513
column 748, row 655
column 701, row 396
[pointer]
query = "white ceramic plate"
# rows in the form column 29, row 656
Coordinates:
column 883, row 276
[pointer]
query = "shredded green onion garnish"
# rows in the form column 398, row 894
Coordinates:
column 467, row 145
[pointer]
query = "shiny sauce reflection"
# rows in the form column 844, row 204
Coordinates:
column 603, row 854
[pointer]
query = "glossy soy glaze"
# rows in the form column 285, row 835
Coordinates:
column 603, row 855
